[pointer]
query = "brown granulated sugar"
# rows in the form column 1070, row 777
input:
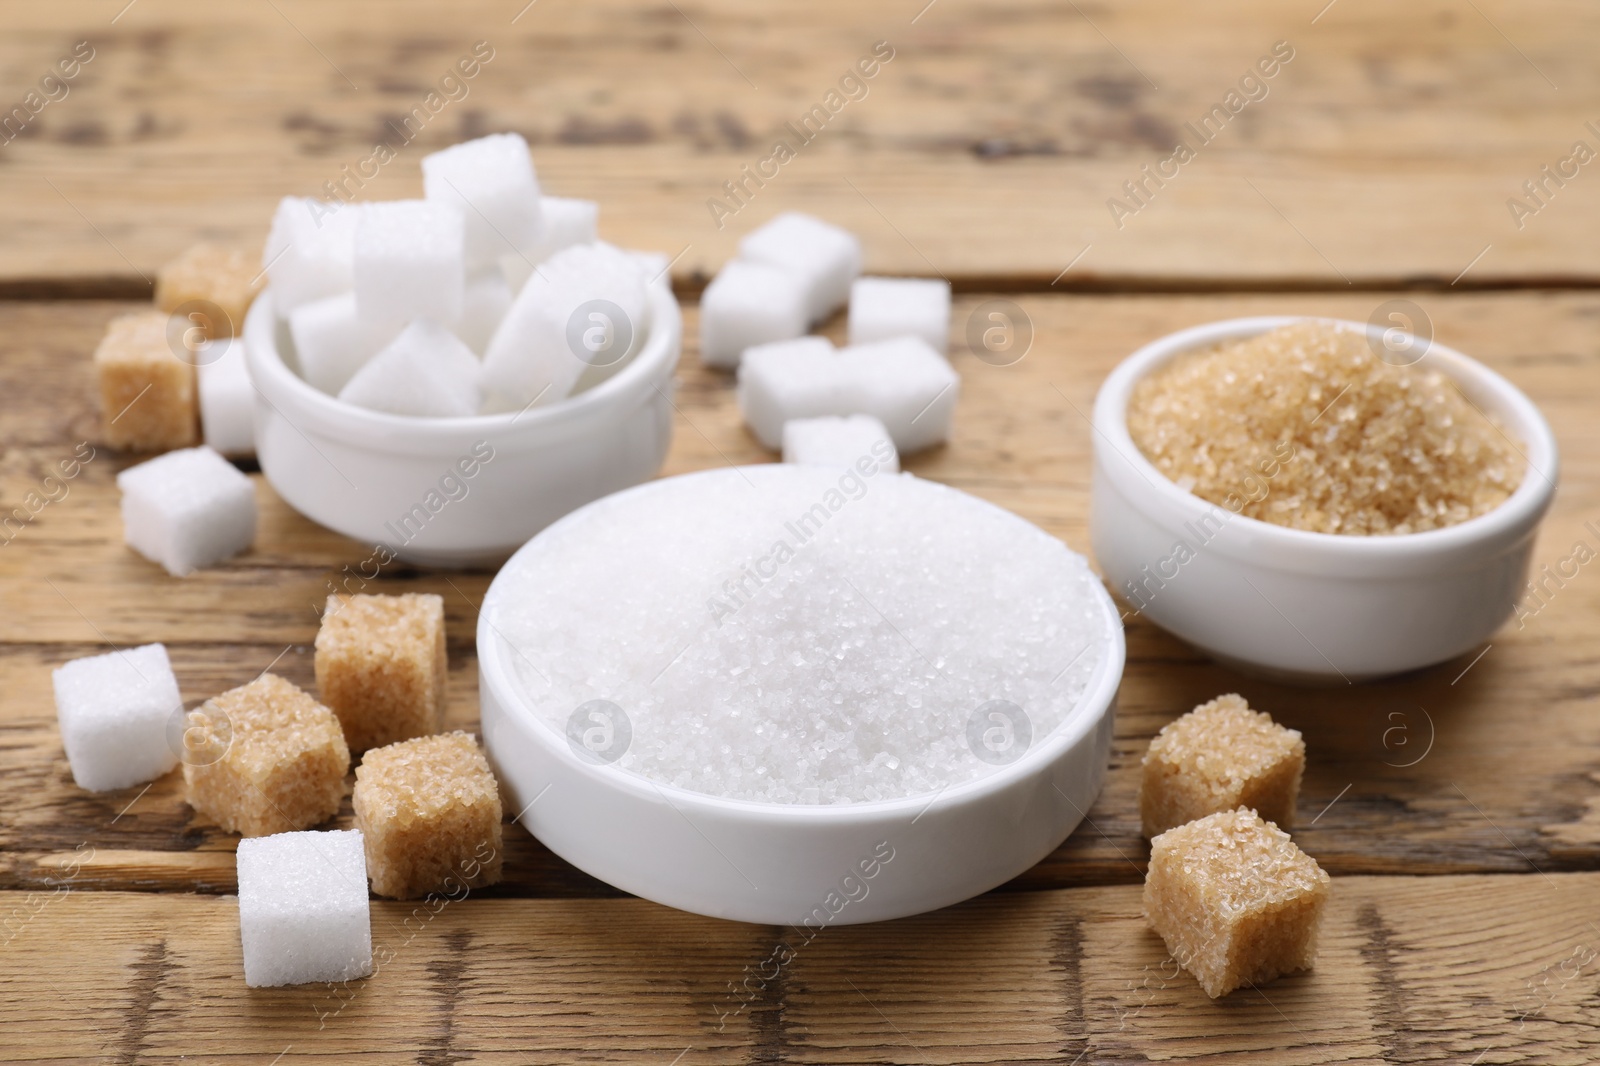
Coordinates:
column 1306, row 427
column 277, row 763
column 429, row 813
column 380, row 665
column 1220, row 756
column 1235, row 900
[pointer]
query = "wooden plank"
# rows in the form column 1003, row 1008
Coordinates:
column 1507, row 783
column 1445, row 969
column 987, row 150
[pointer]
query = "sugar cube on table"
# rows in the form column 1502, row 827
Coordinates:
column 584, row 307
column 147, row 393
column 748, row 304
column 226, row 279
column 884, row 308
column 490, row 182
column 303, row 911
column 310, row 251
column 824, row 257
column 187, row 509
column 1219, row 756
column 839, row 442
column 227, row 399
column 380, row 665
column 1234, row 899
column 115, row 712
column 276, row 760
column 483, row 305
column 408, row 261
column 332, row 340
column 429, row 810
column 426, row 371
column 903, row 383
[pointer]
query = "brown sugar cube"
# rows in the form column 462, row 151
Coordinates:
column 381, row 666
column 1219, row 756
column 148, row 399
column 1236, row 902
column 226, row 278
column 429, row 814
column 276, row 761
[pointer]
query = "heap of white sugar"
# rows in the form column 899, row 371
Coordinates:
column 796, row 634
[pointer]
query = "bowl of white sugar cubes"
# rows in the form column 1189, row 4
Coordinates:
column 853, row 694
column 444, row 377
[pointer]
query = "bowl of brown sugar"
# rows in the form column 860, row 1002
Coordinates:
column 1308, row 499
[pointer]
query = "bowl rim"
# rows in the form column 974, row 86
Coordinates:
column 1517, row 513
column 277, row 384
column 1098, row 699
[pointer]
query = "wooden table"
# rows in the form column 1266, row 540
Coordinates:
column 1458, row 809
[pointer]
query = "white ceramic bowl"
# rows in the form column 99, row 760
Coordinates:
column 1301, row 606
column 400, row 482
column 807, row 866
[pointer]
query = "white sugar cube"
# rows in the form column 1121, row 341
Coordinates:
column 491, row 182
column 303, row 913
column 426, row 371
column 826, row 258
column 884, row 308
column 310, row 250
column 583, row 308
column 332, row 340
column 565, row 222
column 839, row 442
column 408, row 261
column 187, row 509
column 789, row 379
column 906, row 385
column 748, row 304
column 227, row 401
column 115, row 711
column 655, row 267
column 483, row 305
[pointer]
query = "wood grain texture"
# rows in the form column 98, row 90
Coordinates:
column 1493, row 969
column 987, row 150
column 1503, row 752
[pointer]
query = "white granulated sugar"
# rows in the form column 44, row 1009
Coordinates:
column 794, row 634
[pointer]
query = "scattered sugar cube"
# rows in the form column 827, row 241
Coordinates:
column 903, row 383
column 1235, row 900
column 187, row 509
column 584, row 307
column 791, row 379
column 115, row 710
column 227, row 399
column 748, row 304
column 303, row 913
column 147, row 394
column 426, row 371
column 310, row 250
column 429, row 809
column 281, row 763
column 825, row 257
column 408, row 261
column 839, row 442
column 884, row 308
column 490, row 182
column 484, row 304
column 228, row 278
column 381, row 666
column 332, row 341
column 1219, row 756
